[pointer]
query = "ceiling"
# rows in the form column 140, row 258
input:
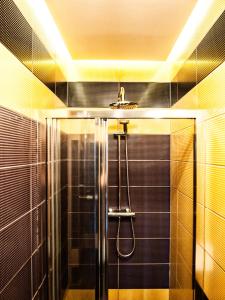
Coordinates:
column 120, row 29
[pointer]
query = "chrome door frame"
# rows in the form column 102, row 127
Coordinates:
column 101, row 116
column 139, row 113
column 101, row 195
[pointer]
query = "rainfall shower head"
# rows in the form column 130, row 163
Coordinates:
column 122, row 103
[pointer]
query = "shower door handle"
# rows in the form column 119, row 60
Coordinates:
column 88, row 197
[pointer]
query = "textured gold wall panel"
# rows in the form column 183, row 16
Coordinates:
column 185, row 144
column 180, row 124
column 173, row 202
column 214, row 237
column 214, row 280
column 215, row 189
column 185, row 178
column 201, row 142
column 201, row 183
column 173, row 174
column 181, row 221
column 215, row 140
column 185, row 245
column 184, row 276
column 79, row 294
column 200, row 224
column 20, row 90
column 142, row 294
column 185, row 211
column 172, row 277
column 183, row 294
column 208, row 94
column 199, row 267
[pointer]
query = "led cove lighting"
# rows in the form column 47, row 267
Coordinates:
column 47, row 22
column 194, row 21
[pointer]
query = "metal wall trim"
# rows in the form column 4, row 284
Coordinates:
column 152, row 113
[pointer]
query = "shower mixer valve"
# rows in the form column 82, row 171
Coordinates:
column 115, row 213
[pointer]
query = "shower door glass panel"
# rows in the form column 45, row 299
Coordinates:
column 75, row 197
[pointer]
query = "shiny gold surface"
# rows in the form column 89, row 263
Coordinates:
column 181, row 221
column 215, row 189
column 214, row 237
column 185, row 245
column 185, row 178
column 215, row 140
column 201, row 183
column 208, row 94
column 200, row 224
column 180, row 124
column 185, row 211
column 214, row 279
column 139, row 294
column 184, row 275
column 199, row 267
column 79, row 295
column 20, row 90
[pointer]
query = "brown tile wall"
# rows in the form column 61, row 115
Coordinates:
column 148, row 267
column 22, row 207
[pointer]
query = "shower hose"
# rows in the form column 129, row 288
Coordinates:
column 124, row 255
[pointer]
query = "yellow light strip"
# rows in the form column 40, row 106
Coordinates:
column 195, row 20
column 43, row 24
column 204, row 14
column 46, row 21
column 114, row 70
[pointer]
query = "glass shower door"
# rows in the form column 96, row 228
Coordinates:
column 77, row 175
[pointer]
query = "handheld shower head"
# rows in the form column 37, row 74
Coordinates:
column 122, row 103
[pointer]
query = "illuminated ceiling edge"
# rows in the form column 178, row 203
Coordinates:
column 103, row 70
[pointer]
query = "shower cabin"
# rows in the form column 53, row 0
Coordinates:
column 121, row 205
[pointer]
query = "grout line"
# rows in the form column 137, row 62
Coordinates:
column 22, row 166
column 40, row 286
column 185, row 263
column 216, row 262
column 215, row 213
column 20, row 217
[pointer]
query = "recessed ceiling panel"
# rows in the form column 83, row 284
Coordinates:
column 120, row 29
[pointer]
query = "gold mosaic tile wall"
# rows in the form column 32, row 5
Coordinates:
column 210, row 247
column 210, row 231
column 182, row 209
